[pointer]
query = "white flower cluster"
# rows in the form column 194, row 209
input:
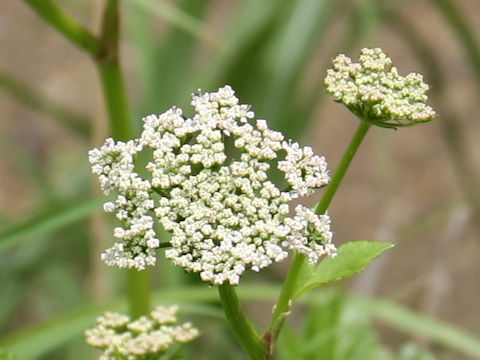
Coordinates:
column 373, row 90
column 148, row 337
column 225, row 214
column 114, row 165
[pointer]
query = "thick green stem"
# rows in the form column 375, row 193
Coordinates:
column 66, row 25
column 284, row 303
column 239, row 324
column 111, row 75
column 138, row 282
column 104, row 51
column 138, row 293
column 116, row 100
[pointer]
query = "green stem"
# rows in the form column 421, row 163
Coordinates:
column 284, row 303
column 138, row 282
column 138, row 292
column 66, row 25
column 116, row 100
column 104, row 51
column 239, row 324
column 347, row 158
column 111, row 77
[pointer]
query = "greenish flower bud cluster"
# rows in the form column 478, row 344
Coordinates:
column 374, row 91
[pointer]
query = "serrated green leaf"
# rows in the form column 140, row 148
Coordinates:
column 352, row 258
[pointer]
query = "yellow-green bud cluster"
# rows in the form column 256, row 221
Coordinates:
column 148, row 337
column 374, row 91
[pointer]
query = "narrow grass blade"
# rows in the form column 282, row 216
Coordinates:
column 48, row 221
column 36, row 341
column 22, row 92
column 182, row 20
column 167, row 67
column 417, row 324
column 25, row 163
column 32, row 343
column 463, row 30
column 289, row 51
column 242, row 42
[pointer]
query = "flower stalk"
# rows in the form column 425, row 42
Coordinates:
column 347, row 158
column 108, row 64
column 241, row 328
column 104, row 52
column 138, row 292
column 284, row 303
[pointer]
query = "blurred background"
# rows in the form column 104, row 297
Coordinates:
column 417, row 187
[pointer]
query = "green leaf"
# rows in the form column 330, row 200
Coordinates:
column 48, row 221
column 335, row 329
column 288, row 344
column 352, row 258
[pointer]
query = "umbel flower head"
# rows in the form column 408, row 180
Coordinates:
column 148, row 337
column 224, row 212
column 374, row 91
